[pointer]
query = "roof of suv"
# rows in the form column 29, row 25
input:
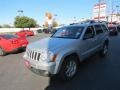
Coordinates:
column 84, row 24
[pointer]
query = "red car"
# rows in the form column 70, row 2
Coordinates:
column 25, row 33
column 11, row 43
column 113, row 30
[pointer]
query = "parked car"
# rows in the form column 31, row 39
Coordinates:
column 113, row 30
column 11, row 43
column 62, row 53
column 25, row 33
column 46, row 31
column 39, row 31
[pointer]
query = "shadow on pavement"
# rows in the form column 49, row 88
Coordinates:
column 94, row 74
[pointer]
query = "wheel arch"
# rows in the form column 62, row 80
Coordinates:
column 73, row 54
column 66, row 56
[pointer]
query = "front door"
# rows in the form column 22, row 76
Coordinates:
column 88, row 42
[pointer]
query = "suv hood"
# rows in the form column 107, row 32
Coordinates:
column 51, row 43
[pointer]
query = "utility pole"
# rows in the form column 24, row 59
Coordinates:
column 117, row 7
column 112, row 3
column 99, row 10
column 117, row 12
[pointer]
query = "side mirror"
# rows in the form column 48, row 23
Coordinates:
column 88, row 36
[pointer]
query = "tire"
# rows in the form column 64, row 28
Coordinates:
column 104, row 51
column 69, row 68
column 116, row 33
column 2, row 53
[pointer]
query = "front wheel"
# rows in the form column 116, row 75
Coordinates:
column 69, row 68
column 2, row 53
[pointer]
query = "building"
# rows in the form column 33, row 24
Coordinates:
column 113, row 18
column 99, row 12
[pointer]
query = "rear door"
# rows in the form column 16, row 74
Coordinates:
column 99, row 35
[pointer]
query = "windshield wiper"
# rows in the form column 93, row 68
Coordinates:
column 65, row 37
column 58, row 37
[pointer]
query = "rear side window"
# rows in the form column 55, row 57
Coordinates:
column 98, row 29
column 104, row 28
column 90, row 30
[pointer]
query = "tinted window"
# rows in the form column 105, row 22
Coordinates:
column 90, row 30
column 104, row 28
column 9, row 36
column 72, row 32
column 98, row 29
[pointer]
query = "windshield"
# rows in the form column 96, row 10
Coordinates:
column 68, row 32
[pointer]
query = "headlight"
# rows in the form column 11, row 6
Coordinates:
column 48, row 55
column 52, row 56
column 43, row 55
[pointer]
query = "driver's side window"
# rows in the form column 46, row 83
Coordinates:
column 89, row 32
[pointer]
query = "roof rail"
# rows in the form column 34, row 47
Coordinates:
column 90, row 22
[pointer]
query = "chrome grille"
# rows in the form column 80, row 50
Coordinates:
column 34, row 55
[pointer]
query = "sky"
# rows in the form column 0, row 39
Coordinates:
column 65, row 9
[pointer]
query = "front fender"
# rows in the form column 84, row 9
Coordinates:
column 61, row 57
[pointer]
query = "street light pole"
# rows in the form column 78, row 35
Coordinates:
column 20, row 12
column 112, row 10
column 74, row 19
column 55, row 15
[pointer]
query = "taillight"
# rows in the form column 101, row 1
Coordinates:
column 14, row 41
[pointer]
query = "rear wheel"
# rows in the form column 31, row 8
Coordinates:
column 2, row 53
column 69, row 68
column 104, row 51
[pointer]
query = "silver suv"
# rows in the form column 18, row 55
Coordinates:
column 62, row 53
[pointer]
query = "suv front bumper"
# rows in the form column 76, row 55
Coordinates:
column 43, row 69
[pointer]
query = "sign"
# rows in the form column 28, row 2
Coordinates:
column 48, row 15
column 99, row 12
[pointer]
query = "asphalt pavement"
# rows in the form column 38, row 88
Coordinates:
column 95, row 73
